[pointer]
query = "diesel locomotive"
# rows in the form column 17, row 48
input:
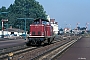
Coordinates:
column 41, row 32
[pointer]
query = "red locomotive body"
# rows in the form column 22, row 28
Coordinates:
column 37, row 30
column 49, row 30
column 40, row 32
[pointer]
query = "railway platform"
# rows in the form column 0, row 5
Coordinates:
column 79, row 51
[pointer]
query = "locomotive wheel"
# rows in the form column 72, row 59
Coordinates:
column 42, row 43
column 39, row 42
column 28, row 43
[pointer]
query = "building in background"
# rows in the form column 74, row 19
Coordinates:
column 54, row 24
column 67, row 30
column 13, row 31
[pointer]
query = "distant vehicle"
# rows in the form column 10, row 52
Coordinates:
column 41, row 31
column 13, row 35
column 60, row 32
column 22, row 35
column 0, row 36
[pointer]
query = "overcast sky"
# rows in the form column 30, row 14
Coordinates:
column 64, row 11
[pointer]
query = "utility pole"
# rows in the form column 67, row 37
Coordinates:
column 3, row 20
column 87, row 26
column 77, row 25
column 25, row 23
column 70, row 26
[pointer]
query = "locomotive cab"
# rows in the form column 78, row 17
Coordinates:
column 36, row 29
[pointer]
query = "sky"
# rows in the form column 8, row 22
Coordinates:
column 66, row 12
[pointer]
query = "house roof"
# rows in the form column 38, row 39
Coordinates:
column 14, row 30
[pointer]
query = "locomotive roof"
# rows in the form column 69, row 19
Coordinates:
column 41, row 19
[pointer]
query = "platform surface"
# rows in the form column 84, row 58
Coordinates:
column 79, row 51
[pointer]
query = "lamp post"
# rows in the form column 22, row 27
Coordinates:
column 25, row 23
column 87, row 25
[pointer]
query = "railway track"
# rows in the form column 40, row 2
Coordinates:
column 10, row 49
column 51, row 54
column 15, row 50
column 34, row 54
column 31, row 53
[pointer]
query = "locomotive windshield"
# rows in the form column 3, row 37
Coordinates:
column 44, row 22
column 36, row 22
column 41, row 21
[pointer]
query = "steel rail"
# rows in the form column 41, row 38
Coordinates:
column 50, row 55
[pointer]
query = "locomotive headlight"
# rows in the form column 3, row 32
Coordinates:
column 30, row 33
column 42, row 33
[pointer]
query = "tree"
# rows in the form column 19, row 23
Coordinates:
column 3, row 15
column 24, row 9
